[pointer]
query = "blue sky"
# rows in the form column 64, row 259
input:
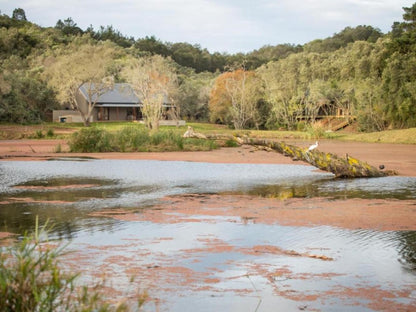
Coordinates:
column 218, row 25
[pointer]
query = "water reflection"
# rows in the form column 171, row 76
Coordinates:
column 407, row 249
column 67, row 192
column 375, row 188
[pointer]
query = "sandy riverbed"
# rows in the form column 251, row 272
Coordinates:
column 398, row 157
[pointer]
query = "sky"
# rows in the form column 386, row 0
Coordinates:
column 226, row 26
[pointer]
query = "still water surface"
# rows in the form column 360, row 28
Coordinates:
column 363, row 259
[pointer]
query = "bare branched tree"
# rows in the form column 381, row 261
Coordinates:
column 79, row 66
column 154, row 81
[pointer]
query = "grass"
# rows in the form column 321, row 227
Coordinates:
column 134, row 139
column 402, row 136
column 32, row 279
column 63, row 131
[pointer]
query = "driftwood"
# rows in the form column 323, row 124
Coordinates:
column 347, row 167
column 190, row 133
column 341, row 167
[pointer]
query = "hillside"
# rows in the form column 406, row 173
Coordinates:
column 359, row 70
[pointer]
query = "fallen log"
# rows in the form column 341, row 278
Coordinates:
column 347, row 167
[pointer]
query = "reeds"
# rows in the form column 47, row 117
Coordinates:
column 134, row 139
column 32, row 279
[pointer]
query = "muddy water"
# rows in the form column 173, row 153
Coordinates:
column 182, row 229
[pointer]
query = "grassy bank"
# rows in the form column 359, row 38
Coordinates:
column 64, row 131
column 134, row 139
column 402, row 136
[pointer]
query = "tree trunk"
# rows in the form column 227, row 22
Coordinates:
column 347, row 167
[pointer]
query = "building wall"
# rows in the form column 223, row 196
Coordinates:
column 66, row 116
column 119, row 113
column 83, row 106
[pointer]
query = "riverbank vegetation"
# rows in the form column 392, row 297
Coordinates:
column 33, row 279
column 65, row 131
column 359, row 74
column 134, row 139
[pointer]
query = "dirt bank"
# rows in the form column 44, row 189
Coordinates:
column 398, row 157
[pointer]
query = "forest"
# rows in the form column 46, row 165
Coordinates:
column 359, row 73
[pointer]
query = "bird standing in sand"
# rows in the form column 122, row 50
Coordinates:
column 312, row 147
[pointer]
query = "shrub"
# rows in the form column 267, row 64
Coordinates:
column 315, row 131
column 31, row 279
column 231, row 143
column 39, row 134
column 199, row 145
column 167, row 140
column 58, row 148
column 90, row 140
column 133, row 139
column 50, row 133
column 301, row 126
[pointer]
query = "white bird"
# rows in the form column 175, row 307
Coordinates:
column 312, row 147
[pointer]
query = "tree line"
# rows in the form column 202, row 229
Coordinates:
column 359, row 71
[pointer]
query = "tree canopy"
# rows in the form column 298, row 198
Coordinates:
column 358, row 71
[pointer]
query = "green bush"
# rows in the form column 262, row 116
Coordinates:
column 131, row 139
column 90, row 140
column 231, row 143
column 50, row 133
column 134, row 139
column 39, row 134
column 169, row 139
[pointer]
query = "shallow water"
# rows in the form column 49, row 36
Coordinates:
column 230, row 276
column 122, row 184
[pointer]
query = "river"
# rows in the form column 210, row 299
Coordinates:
column 194, row 236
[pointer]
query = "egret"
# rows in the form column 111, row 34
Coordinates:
column 312, row 147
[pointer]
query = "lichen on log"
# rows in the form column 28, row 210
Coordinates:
column 347, row 167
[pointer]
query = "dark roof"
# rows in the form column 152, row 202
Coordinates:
column 121, row 95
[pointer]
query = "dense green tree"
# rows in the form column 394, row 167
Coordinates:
column 282, row 90
column 358, row 70
column 14, row 41
column 109, row 33
column 24, row 98
column 19, row 14
column 152, row 45
column 343, row 38
column 399, row 81
column 68, row 27
column 194, row 92
column 404, row 33
column 269, row 53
